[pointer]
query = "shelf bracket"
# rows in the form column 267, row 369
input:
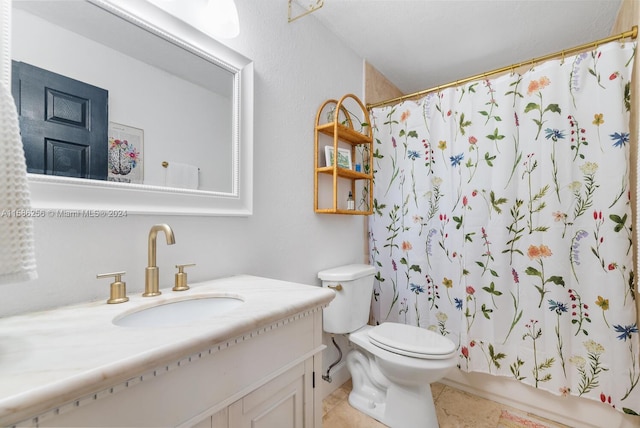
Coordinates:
column 312, row 6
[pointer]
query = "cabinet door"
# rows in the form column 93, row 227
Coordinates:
column 218, row 420
column 206, row 423
column 278, row 404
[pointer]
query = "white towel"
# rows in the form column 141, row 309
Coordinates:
column 17, row 254
column 181, row 175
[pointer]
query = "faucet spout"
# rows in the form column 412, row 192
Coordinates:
column 151, row 279
column 153, row 233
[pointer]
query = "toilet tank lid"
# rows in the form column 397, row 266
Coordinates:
column 347, row 273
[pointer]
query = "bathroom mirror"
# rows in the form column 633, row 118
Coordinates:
column 190, row 104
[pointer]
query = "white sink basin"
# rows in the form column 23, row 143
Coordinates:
column 179, row 313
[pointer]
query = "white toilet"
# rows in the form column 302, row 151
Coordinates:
column 392, row 365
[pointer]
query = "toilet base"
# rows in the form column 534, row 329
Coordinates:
column 361, row 400
column 404, row 407
column 394, row 404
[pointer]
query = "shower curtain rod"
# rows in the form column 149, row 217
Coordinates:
column 633, row 33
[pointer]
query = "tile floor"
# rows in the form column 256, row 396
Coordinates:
column 455, row 409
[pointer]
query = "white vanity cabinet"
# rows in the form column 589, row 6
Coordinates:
column 280, row 403
column 262, row 379
column 255, row 366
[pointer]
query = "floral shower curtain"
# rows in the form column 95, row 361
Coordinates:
column 502, row 220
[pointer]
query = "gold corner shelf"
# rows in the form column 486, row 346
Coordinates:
column 341, row 132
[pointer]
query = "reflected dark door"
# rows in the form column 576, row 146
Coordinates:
column 63, row 123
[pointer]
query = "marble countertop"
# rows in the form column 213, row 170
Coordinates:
column 52, row 357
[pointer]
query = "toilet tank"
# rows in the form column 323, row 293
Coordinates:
column 349, row 310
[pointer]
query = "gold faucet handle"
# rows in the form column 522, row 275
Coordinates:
column 181, row 277
column 118, row 287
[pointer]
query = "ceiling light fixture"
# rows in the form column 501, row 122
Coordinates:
column 220, row 17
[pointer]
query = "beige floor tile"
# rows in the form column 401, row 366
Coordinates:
column 345, row 416
column 344, row 390
column 436, row 390
column 338, row 413
column 454, row 409
column 533, row 419
column 335, row 398
column 457, row 409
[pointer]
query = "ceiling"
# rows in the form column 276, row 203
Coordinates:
column 420, row 44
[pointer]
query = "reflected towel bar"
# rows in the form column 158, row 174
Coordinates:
column 165, row 164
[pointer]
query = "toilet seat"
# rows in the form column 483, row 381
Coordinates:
column 411, row 341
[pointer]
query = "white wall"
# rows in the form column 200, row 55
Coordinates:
column 297, row 67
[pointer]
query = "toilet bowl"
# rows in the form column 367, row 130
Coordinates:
column 392, row 365
column 391, row 386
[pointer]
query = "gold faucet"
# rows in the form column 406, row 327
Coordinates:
column 151, row 281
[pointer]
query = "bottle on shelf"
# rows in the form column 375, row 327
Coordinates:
column 351, row 205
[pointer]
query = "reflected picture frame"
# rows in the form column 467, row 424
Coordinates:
column 344, row 157
column 126, row 154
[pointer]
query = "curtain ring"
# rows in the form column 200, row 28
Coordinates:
column 562, row 61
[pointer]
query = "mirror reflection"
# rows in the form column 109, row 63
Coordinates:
column 162, row 116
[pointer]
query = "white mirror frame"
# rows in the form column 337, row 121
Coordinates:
column 62, row 193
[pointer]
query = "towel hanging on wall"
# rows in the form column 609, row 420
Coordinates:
column 17, row 255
